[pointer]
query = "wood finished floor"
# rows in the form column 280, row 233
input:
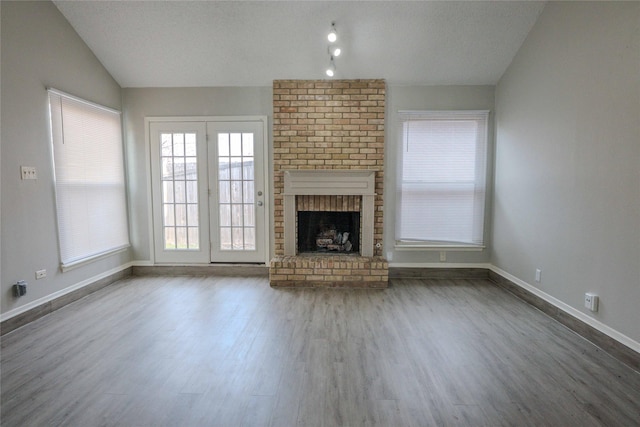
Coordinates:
column 175, row 351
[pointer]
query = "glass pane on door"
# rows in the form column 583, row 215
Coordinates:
column 236, row 185
column 179, row 174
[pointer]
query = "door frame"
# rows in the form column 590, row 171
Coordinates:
column 263, row 120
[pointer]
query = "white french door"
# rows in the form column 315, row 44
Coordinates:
column 179, row 188
column 237, row 201
column 208, row 189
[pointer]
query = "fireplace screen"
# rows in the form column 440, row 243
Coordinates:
column 337, row 232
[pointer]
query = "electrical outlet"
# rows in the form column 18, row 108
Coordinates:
column 591, row 301
column 28, row 172
column 443, row 256
column 41, row 274
column 538, row 275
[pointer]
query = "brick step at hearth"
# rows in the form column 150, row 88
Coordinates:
column 329, row 271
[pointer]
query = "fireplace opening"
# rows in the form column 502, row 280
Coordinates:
column 330, row 232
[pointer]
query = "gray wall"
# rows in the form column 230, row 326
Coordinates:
column 40, row 49
column 148, row 102
column 156, row 102
column 567, row 174
column 431, row 98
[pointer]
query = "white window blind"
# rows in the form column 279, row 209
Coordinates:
column 442, row 177
column 89, row 178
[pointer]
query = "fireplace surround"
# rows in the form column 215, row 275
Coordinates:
column 326, row 182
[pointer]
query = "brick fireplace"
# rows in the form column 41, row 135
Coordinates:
column 329, row 157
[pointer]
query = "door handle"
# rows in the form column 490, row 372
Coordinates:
column 260, row 203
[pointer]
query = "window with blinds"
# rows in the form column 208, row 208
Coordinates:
column 442, row 178
column 89, row 178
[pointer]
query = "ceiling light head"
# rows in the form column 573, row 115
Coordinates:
column 333, row 36
column 332, row 68
column 335, row 51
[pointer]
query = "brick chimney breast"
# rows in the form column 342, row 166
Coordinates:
column 328, row 124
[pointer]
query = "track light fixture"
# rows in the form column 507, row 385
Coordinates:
column 333, row 50
column 332, row 68
column 333, row 35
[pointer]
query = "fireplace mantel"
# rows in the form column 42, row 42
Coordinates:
column 329, row 182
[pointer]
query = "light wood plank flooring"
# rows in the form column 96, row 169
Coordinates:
column 176, row 351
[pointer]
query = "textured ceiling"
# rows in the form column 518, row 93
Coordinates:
column 251, row 43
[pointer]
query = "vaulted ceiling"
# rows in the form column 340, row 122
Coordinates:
column 251, row 43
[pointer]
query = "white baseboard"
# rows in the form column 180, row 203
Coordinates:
column 594, row 323
column 35, row 303
column 142, row 263
column 438, row 265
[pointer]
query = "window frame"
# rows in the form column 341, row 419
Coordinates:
column 70, row 259
column 438, row 245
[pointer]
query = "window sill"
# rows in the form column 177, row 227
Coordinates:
column 84, row 261
column 423, row 246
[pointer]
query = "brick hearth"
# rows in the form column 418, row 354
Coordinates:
column 329, row 125
column 329, row 271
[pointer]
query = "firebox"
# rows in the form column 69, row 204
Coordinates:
column 328, row 232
